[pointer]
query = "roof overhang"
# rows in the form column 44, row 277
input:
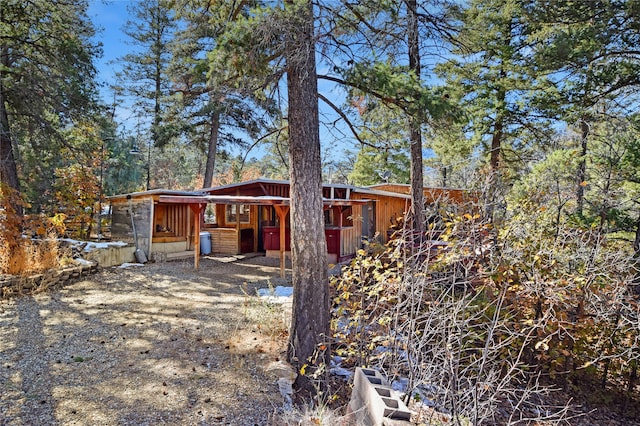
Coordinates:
column 258, row 200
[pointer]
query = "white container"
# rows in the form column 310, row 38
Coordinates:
column 205, row 243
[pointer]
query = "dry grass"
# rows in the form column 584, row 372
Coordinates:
column 307, row 416
column 19, row 254
column 30, row 256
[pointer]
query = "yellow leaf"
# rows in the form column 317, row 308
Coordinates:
column 303, row 369
column 542, row 346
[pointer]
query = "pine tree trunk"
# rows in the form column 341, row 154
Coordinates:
column 212, row 150
column 582, row 166
column 415, row 135
column 309, row 337
column 496, row 147
column 636, row 255
column 8, row 168
column 498, row 129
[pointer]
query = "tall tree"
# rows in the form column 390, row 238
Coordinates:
column 589, row 50
column 490, row 74
column 393, row 74
column 144, row 72
column 46, row 76
column 267, row 43
column 415, row 131
column 214, row 109
column 309, row 335
column 384, row 154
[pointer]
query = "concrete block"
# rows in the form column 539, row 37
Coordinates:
column 373, row 402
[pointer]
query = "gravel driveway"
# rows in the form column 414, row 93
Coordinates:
column 159, row 344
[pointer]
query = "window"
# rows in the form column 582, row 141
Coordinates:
column 339, row 216
column 328, row 217
column 210, row 215
column 233, row 209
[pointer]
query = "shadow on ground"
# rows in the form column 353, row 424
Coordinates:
column 159, row 344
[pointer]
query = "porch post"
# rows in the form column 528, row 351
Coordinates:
column 197, row 210
column 282, row 214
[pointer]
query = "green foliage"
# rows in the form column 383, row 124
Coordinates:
column 396, row 86
column 251, row 42
column 372, row 163
column 592, row 51
column 122, row 171
column 491, row 78
column 386, row 146
column 453, row 149
column 144, row 73
column 47, row 85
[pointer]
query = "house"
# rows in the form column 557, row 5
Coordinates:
column 253, row 216
column 159, row 229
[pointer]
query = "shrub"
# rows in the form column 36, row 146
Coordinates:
column 493, row 319
column 27, row 244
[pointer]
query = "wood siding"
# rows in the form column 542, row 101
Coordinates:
column 430, row 194
column 351, row 237
column 224, row 240
column 388, row 210
column 175, row 218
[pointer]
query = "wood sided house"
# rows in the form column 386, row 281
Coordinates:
column 253, row 216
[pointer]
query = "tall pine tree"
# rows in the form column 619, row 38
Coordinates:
column 46, row 80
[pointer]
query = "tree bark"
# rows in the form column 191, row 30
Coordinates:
column 498, row 127
column 636, row 255
column 496, row 146
column 309, row 337
column 8, row 167
column 415, row 135
column 582, row 166
column 212, row 150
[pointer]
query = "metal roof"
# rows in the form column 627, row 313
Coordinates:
column 254, row 200
column 152, row 192
column 164, row 193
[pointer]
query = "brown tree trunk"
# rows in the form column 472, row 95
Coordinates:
column 636, row 255
column 309, row 337
column 496, row 146
column 498, row 128
column 415, row 135
column 8, row 168
column 212, row 150
column 582, row 166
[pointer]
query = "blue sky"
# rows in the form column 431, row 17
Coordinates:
column 110, row 16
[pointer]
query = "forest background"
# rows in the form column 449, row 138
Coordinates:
column 506, row 85
column 532, row 105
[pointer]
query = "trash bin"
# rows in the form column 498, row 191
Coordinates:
column 205, row 243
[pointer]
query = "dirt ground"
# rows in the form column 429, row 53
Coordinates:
column 152, row 345
column 161, row 344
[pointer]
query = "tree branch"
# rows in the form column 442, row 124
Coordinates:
column 346, row 120
column 260, row 139
column 386, row 99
